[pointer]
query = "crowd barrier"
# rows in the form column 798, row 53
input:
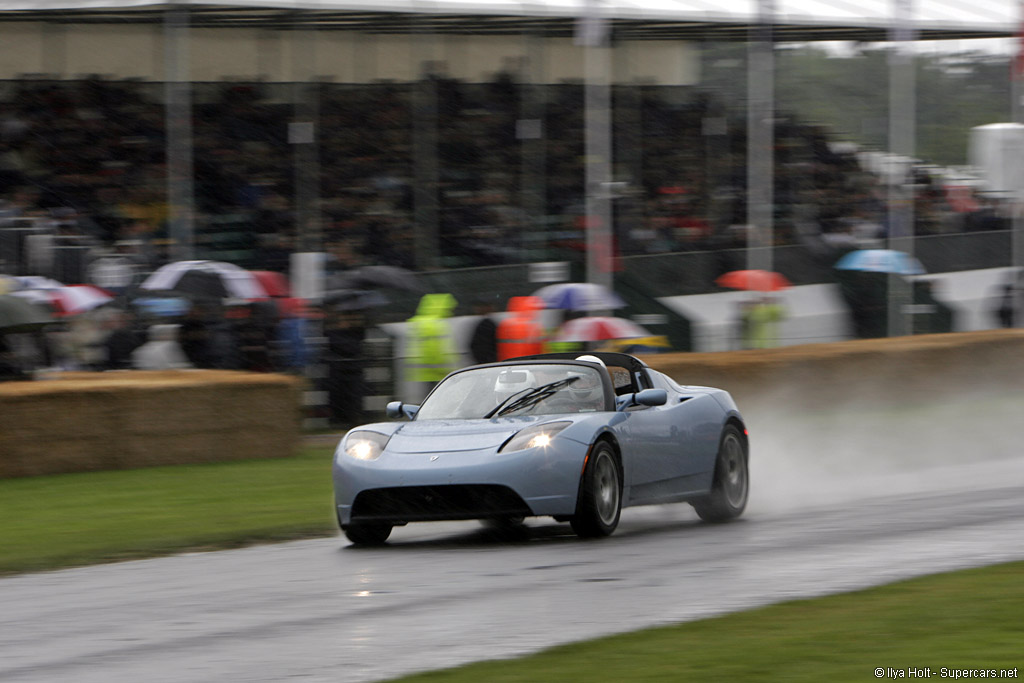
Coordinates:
column 879, row 371
column 76, row 422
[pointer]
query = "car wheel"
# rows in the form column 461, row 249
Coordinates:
column 368, row 533
column 731, row 483
column 600, row 499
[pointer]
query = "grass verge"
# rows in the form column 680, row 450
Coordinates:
column 76, row 519
column 968, row 620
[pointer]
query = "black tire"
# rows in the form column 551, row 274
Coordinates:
column 600, row 500
column 368, row 533
column 731, row 485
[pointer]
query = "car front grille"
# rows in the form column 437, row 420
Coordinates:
column 433, row 503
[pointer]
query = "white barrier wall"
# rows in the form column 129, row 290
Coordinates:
column 817, row 313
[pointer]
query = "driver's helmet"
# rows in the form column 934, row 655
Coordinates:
column 513, row 380
column 588, row 388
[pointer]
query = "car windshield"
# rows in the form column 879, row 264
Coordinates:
column 498, row 391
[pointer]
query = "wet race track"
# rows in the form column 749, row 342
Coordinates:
column 837, row 504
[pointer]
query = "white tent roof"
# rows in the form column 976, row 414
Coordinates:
column 722, row 19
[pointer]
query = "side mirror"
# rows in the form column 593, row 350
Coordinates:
column 651, row 397
column 399, row 409
column 646, row 397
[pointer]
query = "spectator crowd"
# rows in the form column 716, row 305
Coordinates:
column 92, row 153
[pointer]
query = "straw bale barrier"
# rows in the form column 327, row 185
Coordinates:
column 81, row 421
column 871, row 371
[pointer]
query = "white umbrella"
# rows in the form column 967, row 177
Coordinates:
column 599, row 328
column 68, row 299
column 211, row 279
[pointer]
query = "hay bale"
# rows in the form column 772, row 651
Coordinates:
column 143, row 450
column 865, row 370
column 42, row 455
column 86, row 421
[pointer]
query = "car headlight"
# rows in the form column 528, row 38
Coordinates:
column 537, row 436
column 364, row 445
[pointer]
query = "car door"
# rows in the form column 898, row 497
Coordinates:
column 668, row 446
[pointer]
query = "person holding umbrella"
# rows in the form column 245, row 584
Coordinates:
column 759, row 317
column 10, row 369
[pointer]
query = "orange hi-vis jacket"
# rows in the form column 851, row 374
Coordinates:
column 521, row 334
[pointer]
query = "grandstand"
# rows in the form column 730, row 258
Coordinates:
column 439, row 136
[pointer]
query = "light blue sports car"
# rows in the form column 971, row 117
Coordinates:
column 573, row 437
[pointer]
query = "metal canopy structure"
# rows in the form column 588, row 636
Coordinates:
column 795, row 20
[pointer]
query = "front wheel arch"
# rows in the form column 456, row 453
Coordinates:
column 601, row 488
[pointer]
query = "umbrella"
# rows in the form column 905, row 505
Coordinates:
column 880, row 261
column 275, row 284
column 73, row 299
column 599, row 328
column 36, row 282
column 205, row 279
column 378, row 277
column 279, row 289
column 579, row 296
column 354, row 299
column 753, row 280
column 21, row 315
column 162, row 306
column 638, row 345
column 68, row 299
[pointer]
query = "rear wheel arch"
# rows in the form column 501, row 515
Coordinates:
column 730, row 487
column 738, row 424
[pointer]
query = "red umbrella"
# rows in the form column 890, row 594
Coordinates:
column 599, row 328
column 279, row 290
column 275, row 283
column 753, row 280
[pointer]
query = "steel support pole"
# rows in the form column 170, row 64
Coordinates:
column 598, row 145
column 1017, row 111
column 902, row 133
column 760, row 138
column 303, row 135
column 532, row 140
column 178, row 111
column 426, row 165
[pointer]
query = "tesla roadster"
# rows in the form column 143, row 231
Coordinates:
column 573, row 437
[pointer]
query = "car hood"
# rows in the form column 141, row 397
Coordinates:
column 429, row 436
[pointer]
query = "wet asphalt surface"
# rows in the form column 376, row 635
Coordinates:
column 439, row 595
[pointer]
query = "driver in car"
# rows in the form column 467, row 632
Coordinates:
column 587, row 390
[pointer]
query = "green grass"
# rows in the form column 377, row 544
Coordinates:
column 75, row 519
column 968, row 619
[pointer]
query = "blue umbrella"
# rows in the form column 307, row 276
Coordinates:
column 881, row 261
column 163, row 306
column 579, row 296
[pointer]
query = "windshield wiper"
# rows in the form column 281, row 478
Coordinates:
column 532, row 397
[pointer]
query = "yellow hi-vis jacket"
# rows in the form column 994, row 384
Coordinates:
column 430, row 351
